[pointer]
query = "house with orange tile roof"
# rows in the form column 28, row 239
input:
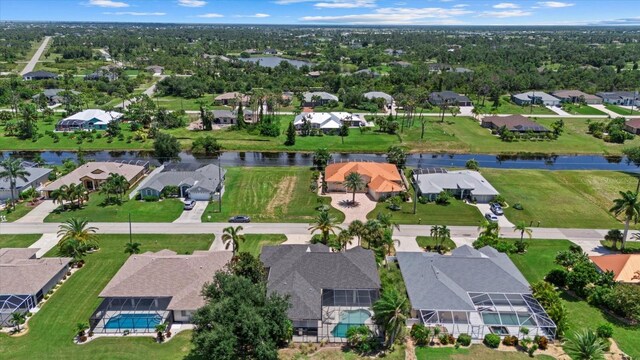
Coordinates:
column 382, row 179
column 625, row 267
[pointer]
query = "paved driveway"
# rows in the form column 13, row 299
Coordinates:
column 194, row 215
column 342, row 202
column 44, row 244
column 502, row 220
column 38, row 213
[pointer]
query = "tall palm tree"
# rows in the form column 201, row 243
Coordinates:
column 343, row 239
column 59, row 196
column 522, row 227
column 326, row 224
column 119, row 183
column 444, row 234
column 435, row 233
column 388, row 244
column 13, row 170
column 357, row 229
column 585, row 345
column 489, row 228
column 78, row 230
column 628, row 205
column 386, row 220
column 374, row 232
column 231, row 237
column 354, row 182
column 132, row 248
column 390, row 311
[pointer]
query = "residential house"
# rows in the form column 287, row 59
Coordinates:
column 536, row 98
column 231, row 98
column 372, row 95
column 329, row 291
column 154, row 288
column 382, row 179
column 514, row 123
column 394, row 52
column 270, row 51
column 92, row 174
column 464, row 184
column 218, row 57
column 314, row 74
column 329, row 121
column 88, row 120
column 105, row 73
column 318, row 98
column 461, row 70
column 224, row 117
column 475, row 292
column 36, row 178
column 155, row 69
column 53, row 96
column 633, row 126
column 437, row 67
column 39, row 75
column 625, row 267
column 203, row 183
column 576, row 97
column 400, row 63
column 450, row 98
column 24, row 280
column 367, row 73
column 625, row 98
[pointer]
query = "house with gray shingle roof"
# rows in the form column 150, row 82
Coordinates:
column 463, row 184
column 318, row 98
column 471, row 291
column 328, row 291
column 204, row 183
column 372, row 95
column 535, row 97
column 36, row 178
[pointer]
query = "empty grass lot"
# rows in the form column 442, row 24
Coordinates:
column 456, row 213
column 539, row 260
column 254, row 242
column 18, row 241
column 507, row 107
column 565, row 199
column 166, row 210
column 398, row 353
column 269, row 194
column 52, row 329
column 476, row 352
column 577, row 109
column 621, row 110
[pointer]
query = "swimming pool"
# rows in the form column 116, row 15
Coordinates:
column 350, row 318
column 133, row 322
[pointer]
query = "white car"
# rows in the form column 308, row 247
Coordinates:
column 491, row 217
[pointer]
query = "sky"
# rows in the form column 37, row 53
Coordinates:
column 344, row 12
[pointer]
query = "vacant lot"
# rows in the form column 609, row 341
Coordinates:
column 578, row 199
column 476, row 352
column 577, row 109
column 52, row 329
column 621, row 110
column 507, row 107
column 268, row 194
column 456, row 213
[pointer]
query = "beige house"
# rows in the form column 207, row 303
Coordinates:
column 381, row 179
column 92, row 174
column 231, row 98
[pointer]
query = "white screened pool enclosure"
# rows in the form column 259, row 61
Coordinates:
column 15, row 303
column 135, row 315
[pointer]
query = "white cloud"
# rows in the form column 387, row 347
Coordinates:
column 402, row 16
column 210, row 15
column 506, row 6
column 554, row 4
column 257, row 15
column 192, row 3
column 135, row 13
column 107, row 3
column 460, row 6
column 345, row 4
column 287, row 2
column 505, row 13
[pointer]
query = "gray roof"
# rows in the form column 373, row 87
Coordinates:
column 442, row 282
column 203, row 179
column 302, row 271
column 35, row 173
column 223, row 114
column 322, row 94
column 379, row 94
column 464, row 179
column 49, row 93
column 438, row 97
column 40, row 74
column 23, row 274
column 618, row 95
column 527, row 96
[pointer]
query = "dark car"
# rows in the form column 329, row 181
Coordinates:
column 189, row 204
column 240, row 219
column 496, row 209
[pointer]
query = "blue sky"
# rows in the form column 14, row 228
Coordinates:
column 359, row 12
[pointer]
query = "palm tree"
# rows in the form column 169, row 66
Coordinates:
column 585, row 345
column 386, row 220
column 629, row 205
column 356, row 228
column 326, row 224
column 231, row 237
column 344, row 238
column 78, row 230
column 444, row 234
column 60, row 196
column 489, row 228
column 389, row 311
column 388, row 243
column 132, row 248
column 12, row 170
column 354, row 182
column 522, row 227
column 17, row 319
column 374, row 231
column 435, row 233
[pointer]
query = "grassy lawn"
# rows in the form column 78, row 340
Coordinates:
column 566, row 199
column 620, row 110
column 334, row 353
column 630, row 245
column 538, row 261
column 425, row 241
column 178, row 103
column 507, row 107
column 476, row 352
column 577, row 109
column 254, row 242
column 456, row 213
column 52, row 329
column 166, row 210
column 268, row 194
column 21, row 210
column 18, row 241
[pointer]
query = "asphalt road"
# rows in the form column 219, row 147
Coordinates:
column 34, row 59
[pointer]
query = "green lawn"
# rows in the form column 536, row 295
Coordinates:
column 622, row 111
column 268, row 194
column 178, row 103
column 254, row 242
column 166, row 210
column 630, row 245
column 476, row 352
column 18, row 241
column 539, row 260
column 577, row 109
column 51, row 330
column 566, row 199
column 507, row 107
column 425, row 241
column 21, row 210
column 456, row 213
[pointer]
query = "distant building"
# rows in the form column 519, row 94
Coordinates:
column 367, row 72
column 231, row 98
column 464, row 184
column 314, row 74
column 106, row 74
column 633, row 126
column 625, row 98
column 329, row 121
column 536, row 98
column 88, row 120
column 155, row 69
column 450, row 98
column 39, row 75
column 400, row 63
column 576, row 97
column 53, row 96
column 372, row 95
column 514, row 123
column 394, row 52
column 438, row 67
column 224, row 117
column 270, row 51
column 318, row 98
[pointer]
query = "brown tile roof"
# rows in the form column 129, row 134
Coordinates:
column 22, row 274
column 573, row 93
column 624, row 266
column 97, row 171
column 167, row 274
column 338, row 171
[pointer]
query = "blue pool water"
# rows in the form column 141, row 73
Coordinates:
column 134, row 321
column 350, row 318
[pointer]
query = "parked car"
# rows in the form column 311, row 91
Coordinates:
column 240, row 219
column 497, row 209
column 189, row 204
column 491, row 217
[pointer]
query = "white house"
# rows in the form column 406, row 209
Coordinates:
column 535, row 97
column 88, row 120
column 330, row 121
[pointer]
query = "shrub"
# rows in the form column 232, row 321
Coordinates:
column 521, row 247
column 420, row 334
column 361, row 339
column 510, row 340
column 542, row 342
column 151, row 198
column 464, row 339
column 82, row 338
column 443, row 198
column 557, row 277
column 500, row 200
column 444, row 339
column 605, row 331
column 492, row 340
column 624, row 300
column 532, row 349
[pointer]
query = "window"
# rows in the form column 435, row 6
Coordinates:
column 183, row 313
